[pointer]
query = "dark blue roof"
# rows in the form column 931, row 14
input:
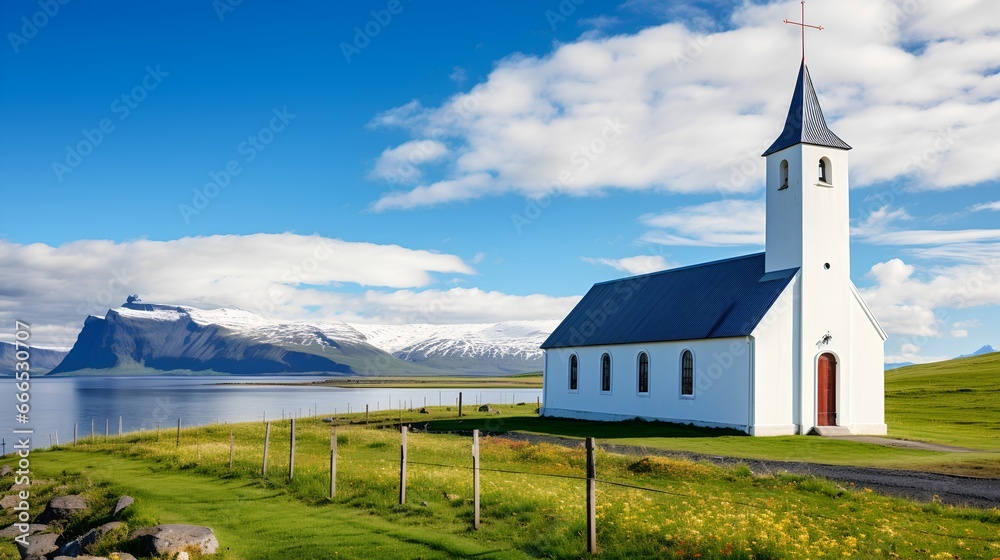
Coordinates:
column 805, row 123
column 712, row 300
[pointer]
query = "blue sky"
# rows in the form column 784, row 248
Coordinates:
column 427, row 140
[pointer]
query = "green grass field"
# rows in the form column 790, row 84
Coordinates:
column 691, row 510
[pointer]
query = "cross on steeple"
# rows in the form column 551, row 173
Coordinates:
column 804, row 25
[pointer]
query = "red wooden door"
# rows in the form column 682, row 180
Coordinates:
column 826, row 382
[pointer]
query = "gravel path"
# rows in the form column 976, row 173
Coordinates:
column 922, row 486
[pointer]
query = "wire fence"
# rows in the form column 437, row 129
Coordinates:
column 389, row 422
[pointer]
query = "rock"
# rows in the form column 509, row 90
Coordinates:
column 122, row 503
column 81, row 558
column 121, row 556
column 5, row 471
column 423, row 411
column 75, row 547
column 328, row 420
column 451, row 497
column 39, row 544
column 486, row 408
column 425, row 504
column 15, row 530
column 9, row 501
column 63, row 507
column 164, row 539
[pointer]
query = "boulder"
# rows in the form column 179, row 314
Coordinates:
column 38, row 545
column 487, row 408
column 123, row 502
column 5, row 471
column 9, row 501
column 423, row 411
column 63, row 507
column 75, row 547
column 15, row 530
column 166, row 539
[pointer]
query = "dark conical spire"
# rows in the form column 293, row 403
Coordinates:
column 805, row 123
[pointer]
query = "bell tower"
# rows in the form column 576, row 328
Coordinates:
column 808, row 228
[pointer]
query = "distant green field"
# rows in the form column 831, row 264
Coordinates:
column 956, row 402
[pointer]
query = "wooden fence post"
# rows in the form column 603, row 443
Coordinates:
column 366, row 415
column 57, row 437
column 459, row 404
column 119, row 426
column 475, row 479
column 591, row 496
column 267, row 441
column 333, row 461
column 178, row 432
column 107, row 423
column 402, row 466
column 76, row 426
column 291, row 452
column 232, row 448
column 92, row 430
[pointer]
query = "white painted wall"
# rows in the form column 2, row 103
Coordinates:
column 721, row 383
column 775, row 360
column 865, row 404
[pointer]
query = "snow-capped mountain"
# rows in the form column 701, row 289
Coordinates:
column 144, row 337
column 41, row 360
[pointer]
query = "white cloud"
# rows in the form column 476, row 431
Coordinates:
column 912, row 302
column 276, row 275
column 719, row 223
column 640, row 264
column 995, row 206
column 697, row 109
column 959, row 333
column 402, row 163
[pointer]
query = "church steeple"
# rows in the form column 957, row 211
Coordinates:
column 805, row 123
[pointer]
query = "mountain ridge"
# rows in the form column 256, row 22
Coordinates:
column 151, row 338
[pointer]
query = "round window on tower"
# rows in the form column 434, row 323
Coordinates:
column 826, row 266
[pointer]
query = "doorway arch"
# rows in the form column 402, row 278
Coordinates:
column 826, row 390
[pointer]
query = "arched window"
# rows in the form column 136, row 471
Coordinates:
column 687, row 373
column 606, row 373
column 783, row 175
column 643, row 372
column 574, row 372
column 824, row 170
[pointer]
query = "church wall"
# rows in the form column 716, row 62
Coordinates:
column 774, row 362
column 721, row 383
column 866, row 405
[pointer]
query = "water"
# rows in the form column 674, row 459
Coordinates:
column 141, row 402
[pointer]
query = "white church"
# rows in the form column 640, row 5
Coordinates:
column 774, row 343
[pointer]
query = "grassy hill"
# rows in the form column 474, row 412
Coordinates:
column 956, row 402
column 532, row 499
